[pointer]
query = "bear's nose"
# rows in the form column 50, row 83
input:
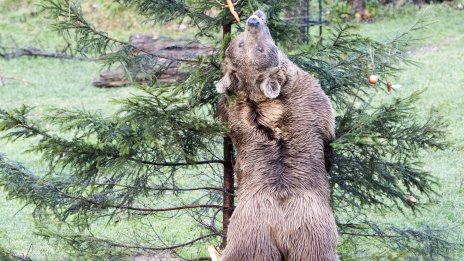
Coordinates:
column 253, row 21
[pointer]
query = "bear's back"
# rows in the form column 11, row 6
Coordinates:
column 279, row 141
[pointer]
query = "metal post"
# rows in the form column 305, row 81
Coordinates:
column 320, row 17
column 307, row 23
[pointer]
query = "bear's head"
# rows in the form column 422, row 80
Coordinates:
column 252, row 60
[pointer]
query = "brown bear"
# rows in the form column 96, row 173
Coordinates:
column 279, row 120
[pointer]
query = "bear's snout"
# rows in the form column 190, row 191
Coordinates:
column 253, row 21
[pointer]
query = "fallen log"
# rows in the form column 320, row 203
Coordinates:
column 167, row 54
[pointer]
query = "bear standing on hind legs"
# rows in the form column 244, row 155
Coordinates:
column 279, row 120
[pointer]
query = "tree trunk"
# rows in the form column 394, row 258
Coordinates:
column 299, row 15
column 229, row 186
column 360, row 11
column 419, row 2
column 359, row 6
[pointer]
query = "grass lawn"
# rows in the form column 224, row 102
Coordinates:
column 440, row 73
column 57, row 83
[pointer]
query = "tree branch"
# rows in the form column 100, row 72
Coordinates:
column 161, row 188
column 36, row 52
column 93, row 202
column 3, row 80
column 84, row 25
column 167, row 164
column 368, row 235
column 162, row 164
column 114, row 244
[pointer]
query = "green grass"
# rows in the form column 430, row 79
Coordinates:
column 53, row 83
column 440, row 73
column 67, row 84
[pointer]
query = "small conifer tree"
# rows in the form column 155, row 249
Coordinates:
column 162, row 166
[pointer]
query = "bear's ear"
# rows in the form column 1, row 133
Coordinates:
column 223, row 84
column 270, row 88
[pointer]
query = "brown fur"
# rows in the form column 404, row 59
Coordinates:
column 283, row 210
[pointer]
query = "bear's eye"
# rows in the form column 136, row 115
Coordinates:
column 260, row 49
column 240, row 44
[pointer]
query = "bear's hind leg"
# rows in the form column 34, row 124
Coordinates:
column 308, row 245
column 249, row 236
column 310, row 235
column 251, row 246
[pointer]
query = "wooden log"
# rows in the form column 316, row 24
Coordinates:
column 110, row 79
column 166, row 68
